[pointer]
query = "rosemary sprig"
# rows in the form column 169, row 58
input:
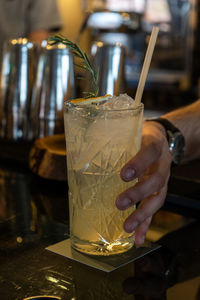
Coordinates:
column 84, row 64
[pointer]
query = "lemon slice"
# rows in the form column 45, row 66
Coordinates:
column 96, row 100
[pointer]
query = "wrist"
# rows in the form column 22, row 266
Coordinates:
column 175, row 139
column 160, row 127
column 156, row 132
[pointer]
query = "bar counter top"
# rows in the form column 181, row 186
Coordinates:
column 34, row 215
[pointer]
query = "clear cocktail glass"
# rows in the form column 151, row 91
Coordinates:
column 99, row 141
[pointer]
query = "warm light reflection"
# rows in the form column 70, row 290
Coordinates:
column 56, row 281
column 57, row 46
column 99, row 44
column 63, row 287
column 22, row 41
column 19, row 239
column 14, row 42
column 52, row 279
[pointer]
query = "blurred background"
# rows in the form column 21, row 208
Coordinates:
column 34, row 81
column 36, row 78
column 174, row 74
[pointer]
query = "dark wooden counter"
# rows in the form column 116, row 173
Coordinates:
column 34, row 215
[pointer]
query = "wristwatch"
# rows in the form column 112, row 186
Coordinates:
column 175, row 139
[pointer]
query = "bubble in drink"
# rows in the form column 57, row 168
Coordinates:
column 100, row 139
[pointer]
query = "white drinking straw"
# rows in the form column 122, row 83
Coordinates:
column 146, row 65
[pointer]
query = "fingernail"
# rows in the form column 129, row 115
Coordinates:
column 129, row 174
column 125, row 202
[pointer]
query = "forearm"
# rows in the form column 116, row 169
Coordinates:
column 187, row 119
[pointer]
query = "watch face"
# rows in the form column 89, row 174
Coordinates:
column 176, row 146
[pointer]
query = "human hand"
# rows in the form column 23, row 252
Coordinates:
column 151, row 166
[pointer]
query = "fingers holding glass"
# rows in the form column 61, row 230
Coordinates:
column 149, row 153
column 140, row 219
column 155, row 179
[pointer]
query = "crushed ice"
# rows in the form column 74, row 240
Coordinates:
column 122, row 101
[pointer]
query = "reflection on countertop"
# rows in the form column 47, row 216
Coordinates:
column 34, row 215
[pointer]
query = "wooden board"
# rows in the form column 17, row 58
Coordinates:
column 48, row 157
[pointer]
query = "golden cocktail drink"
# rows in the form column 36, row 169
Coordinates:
column 100, row 139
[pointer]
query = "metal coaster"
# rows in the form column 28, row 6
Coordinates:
column 44, row 297
column 103, row 263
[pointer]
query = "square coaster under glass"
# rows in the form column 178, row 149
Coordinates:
column 103, row 263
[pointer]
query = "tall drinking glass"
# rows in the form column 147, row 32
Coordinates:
column 99, row 142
